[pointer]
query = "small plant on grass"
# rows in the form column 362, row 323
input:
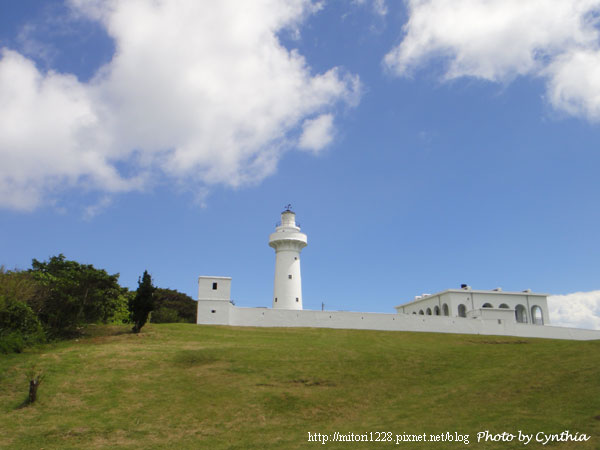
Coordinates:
column 35, row 378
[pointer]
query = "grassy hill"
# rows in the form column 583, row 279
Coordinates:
column 188, row 386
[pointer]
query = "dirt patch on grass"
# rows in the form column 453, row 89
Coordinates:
column 191, row 358
column 308, row 382
column 100, row 331
column 275, row 403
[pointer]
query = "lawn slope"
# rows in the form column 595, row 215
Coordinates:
column 189, row 386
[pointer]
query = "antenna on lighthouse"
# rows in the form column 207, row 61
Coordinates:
column 288, row 242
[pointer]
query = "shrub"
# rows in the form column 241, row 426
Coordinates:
column 182, row 304
column 19, row 326
column 12, row 342
column 76, row 294
column 164, row 315
column 121, row 312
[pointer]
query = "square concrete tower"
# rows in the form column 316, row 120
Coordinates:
column 214, row 296
column 214, row 288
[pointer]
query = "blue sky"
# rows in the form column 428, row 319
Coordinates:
column 422, row 145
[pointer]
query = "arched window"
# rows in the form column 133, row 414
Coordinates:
column 414, row 312
column 421, row 312
column 521, row 314
column 503, row 305
column 428, row 311
column 537, row 318
column 487, row 305
column 436, row 310
column 462, row 310
column 445, row 310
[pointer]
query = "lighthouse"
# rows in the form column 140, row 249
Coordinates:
column 288, row 242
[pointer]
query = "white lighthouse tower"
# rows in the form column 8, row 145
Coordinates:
column 288, row 242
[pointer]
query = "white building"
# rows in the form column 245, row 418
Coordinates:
column 517, row 307
column 463, row 310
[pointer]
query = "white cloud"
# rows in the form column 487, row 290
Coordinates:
column 379, row 7
column 577, row 310
column 497, row 40
column 48, row 135
column 574, row 83
column 202, row 92
column 30, row 46
column 92, row 211
column 317, row 133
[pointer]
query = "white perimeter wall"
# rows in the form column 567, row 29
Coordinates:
column 227, row 314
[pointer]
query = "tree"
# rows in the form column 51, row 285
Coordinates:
column 143, row 303
column 20, row 285
column 122, row 314
column 19, row 325
column 75, row 294
column 173, row 306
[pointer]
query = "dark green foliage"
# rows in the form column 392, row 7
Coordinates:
column 142, row 304
column 16, row 315
column 164, row 315
column 12, row 342
column 19, row 325
column 173, row 306
column 74, row 294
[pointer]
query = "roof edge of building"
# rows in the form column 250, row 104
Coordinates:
column 473, row 291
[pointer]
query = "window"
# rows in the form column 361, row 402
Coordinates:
column 421, row 312
column 436, row 310
column 214, row 286
column 275, row 299
column 428, row 311
column 295, row 258
column 414, row 312
column 445, row 310
column 296, row 299
column 462, row 310
column 521, row 314
column 213, row 311
column 487, row 305
column 503, row 306
column 290, row 277
column 537, row 317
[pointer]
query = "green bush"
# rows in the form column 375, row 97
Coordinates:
column 183, row 305
column 12, row 343
column 19, row 326
column 121, row 312
column 165, row 315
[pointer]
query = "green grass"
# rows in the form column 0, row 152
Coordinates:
column 189, row 386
